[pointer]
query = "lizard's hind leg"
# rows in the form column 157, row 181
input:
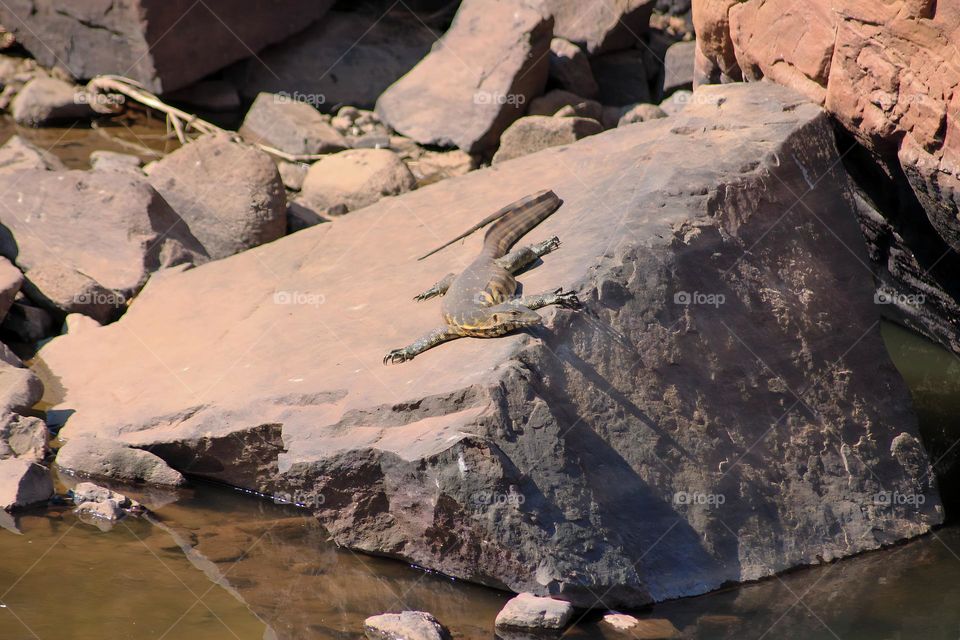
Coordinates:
column 438, row 289
column 561, row 298
column 429, row 341
column 524, row 256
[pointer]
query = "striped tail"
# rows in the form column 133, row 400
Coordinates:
column 520, row 217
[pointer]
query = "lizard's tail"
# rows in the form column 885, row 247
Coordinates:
column 519, row 218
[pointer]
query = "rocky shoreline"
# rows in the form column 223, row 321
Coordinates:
column 723, row 410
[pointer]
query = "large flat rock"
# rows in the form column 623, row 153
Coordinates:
column 164, row 44
column 722, row 410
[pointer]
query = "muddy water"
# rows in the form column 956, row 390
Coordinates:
column 214, row 563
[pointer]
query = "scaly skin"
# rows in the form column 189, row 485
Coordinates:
column 480, row 302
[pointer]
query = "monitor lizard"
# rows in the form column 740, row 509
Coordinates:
column 480, row 301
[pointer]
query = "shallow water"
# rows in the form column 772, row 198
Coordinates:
column 212, row 562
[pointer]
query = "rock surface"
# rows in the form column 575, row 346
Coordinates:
column 101, row 160
column 23, row 437
column 570, row 69
column 16, row 154
column 600, row 26
column 584, row 458
column 622, row 78
column 527, row 611
column 46, row 100
column 446, row 102
column 23, row 483
column 355, row 179
column 104, row 458
column 229, row 194
column 887, row 72
column 11, row 279
column 535, row 133
column 641, row 113
column 346, row 58
column 406, row 625
column 112, row 227
column 553, row 102
column 290, row 125
column 163, row 45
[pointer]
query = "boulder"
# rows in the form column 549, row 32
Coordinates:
column 27, row 323
column 346, row 58
column 355, row 179
column 584, row 457
column 45, row 101
column 290, row 125
column 62, row 290
column 20, row 389
column 103, row 458
column 229, row 194
column 570, row 69
column 11, row 279
column 553, row 102
column 886, row 72
column 111, row 227
column 527, row 611
column 622, row 78
column 292, row 174
column 432, row 166
column 16, row 153
column 406, row 625
column 101, row 160
column 678, row 67
column 534, row 133
column 641, row 113
column 163, row 45
column 444, row 101
column 23, row 437
column 23, row 483
column 600, row 26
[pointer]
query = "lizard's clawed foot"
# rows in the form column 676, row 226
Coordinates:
column 426, row 295
column 545, row 247
column 568, row 300
column 397, row 356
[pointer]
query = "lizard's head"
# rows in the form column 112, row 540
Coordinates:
column 500, row 319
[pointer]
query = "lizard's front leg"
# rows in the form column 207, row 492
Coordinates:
column 429, row 341
column 520, row 258
column 438, row 289
column 561, row 298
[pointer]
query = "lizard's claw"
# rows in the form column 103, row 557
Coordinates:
column 397, row 356
column 568, row 300
column 426, row 295
column 553, row 244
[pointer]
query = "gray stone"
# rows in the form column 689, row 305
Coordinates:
column 20, row 389
column 112, row 227
column 678, row 67
column 289, row 125
column 641, row 113
column 600, row 26
column 584, row 457
column 534, row 133
column 355, row 179
column 444, row 101
column 229, row 194
column 45, row 101
column 16, row 154
column 406, row 625
column 106, row 510
column 622, row 78
column 100, row 457
column 163, row 45
column 553, row 102
column 292, row 174
column 527, row 611
column 570, row 69
column 346, row 58
column 101, row 160
column 23, row 483
column 24, row 437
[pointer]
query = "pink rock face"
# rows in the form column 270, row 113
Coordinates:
column 888, row 71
